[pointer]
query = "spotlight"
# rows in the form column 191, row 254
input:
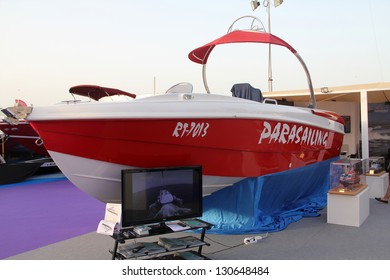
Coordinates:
column 255, row 4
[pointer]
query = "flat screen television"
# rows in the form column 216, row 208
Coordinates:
column 157, row 195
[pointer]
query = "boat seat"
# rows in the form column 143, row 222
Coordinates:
column 246, row 91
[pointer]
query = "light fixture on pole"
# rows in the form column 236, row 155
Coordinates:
column 255, row 4
column 277, row 2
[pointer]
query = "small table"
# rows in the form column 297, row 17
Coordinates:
column 378, row 183
column 348, row 206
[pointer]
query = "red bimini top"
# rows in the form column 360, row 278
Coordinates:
column 97, row 92
column 201, row 54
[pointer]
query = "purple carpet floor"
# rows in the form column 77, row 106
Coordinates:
column 34, row 215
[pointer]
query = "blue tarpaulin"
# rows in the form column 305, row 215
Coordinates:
column 268, row 203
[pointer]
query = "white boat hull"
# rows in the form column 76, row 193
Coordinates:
column 102, row 180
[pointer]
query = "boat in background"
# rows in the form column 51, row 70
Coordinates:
column 22, row 139
column 21, row 146
column 232, row 138
column 18, row 164
column 16, row 171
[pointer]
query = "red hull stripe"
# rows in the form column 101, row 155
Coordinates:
column 237, row 148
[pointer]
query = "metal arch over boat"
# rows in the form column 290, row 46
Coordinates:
column 96, row 92
column 200, row 55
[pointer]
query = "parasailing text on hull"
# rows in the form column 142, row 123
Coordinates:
column 285, row 133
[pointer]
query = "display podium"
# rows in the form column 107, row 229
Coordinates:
column 378, row 184
column 348, row 206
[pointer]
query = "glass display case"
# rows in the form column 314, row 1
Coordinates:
column 375, row 166
column 347, row 174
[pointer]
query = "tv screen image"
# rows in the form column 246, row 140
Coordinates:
column 156, row 195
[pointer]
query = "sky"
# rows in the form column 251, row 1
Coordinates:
column 48, row 46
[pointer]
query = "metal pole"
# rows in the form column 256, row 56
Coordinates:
column 269, row 50
column 364, row 125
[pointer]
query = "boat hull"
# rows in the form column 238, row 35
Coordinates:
column 11, row 173
column 102, row 180
column 92, row 151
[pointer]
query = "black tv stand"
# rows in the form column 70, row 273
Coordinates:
column 159, row 229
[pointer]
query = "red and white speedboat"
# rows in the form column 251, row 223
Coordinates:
column 232, row 138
